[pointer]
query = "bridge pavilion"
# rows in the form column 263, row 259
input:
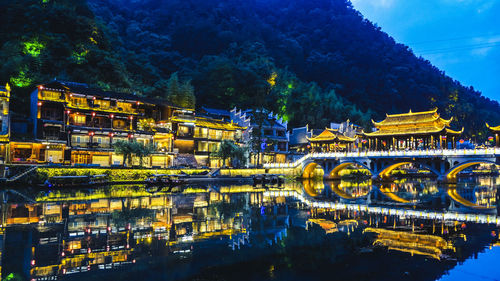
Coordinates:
column 412, row 130
column 495, row 130
column 330, row 140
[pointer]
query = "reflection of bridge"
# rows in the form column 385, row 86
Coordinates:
column 445, row 164
column 402, row 212
column 314, row 190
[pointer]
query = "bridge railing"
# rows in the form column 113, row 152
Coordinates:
column 393, row 153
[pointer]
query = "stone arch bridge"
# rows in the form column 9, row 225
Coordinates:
column 445, row 164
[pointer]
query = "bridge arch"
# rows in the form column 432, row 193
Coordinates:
column 308, row 170
column 310, row 188
column 452, row 192
column 451, row 175
column 335, row 172
column 386, row 171
column 338, row 189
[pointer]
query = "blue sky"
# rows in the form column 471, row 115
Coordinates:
column 460, row 37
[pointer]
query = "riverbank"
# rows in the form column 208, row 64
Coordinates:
column 121, row 174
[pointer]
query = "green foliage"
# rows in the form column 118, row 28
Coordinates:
column 141, row 150
column 33, row 48
column 327, row 62
column 21, row 80
column 79, row 57
column 229, row 150
column 126, row 149
column 180, row 93
column 13, row 277
column 130, row 148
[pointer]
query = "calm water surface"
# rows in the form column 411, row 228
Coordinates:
column 411, row 229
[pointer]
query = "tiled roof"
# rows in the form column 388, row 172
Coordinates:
column 330, row 135
column 413, row 123
column 494, row 128
column 217, row 124
column 84, row 89
column 411, row 118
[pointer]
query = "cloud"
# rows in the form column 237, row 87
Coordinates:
column 374, row 3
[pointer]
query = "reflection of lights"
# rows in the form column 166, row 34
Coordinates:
column 187, row 238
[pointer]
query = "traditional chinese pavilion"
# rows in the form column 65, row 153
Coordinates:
column 331, row 140
column 495, row 130
column 412, row 130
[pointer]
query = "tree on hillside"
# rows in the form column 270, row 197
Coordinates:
column 180, row 93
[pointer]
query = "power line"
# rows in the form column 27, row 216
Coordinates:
column 458, row 48
column 452, row 39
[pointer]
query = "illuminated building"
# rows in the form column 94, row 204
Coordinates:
column 412, row 130
column 196, row 137
column 74, row 123
column 274, row 135
column 298, row 141
column 4, row 123
column 208, row 135
column 495, row 130
column 330, row 140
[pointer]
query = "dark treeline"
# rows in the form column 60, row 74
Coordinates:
column 311, row 61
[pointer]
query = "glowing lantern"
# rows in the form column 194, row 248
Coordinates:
column 461, row 141
column 490, row 138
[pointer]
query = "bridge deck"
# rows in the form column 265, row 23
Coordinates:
column 490, row 152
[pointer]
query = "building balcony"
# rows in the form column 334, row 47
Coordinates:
column 97, row 108
column 92, row 145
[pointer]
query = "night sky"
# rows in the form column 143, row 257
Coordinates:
column 460, row 37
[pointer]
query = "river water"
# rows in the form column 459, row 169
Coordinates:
column 412, row 229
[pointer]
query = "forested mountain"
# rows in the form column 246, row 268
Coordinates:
column 311, row 61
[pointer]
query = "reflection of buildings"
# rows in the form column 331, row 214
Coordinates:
column 74, row 232
column 418, row 244
column 415, row 236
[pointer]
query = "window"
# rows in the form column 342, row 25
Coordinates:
column 79, row 101
column 51, row 132
column 125, row 107
column 219, row 134
column 183, row 131
column 51, row 95
column 104, row 104
column 213, row 147
column 202, row 146
column 280, row 133
column 201, row 132
column 282, row 146
column 79, row 119
column 119, row 124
